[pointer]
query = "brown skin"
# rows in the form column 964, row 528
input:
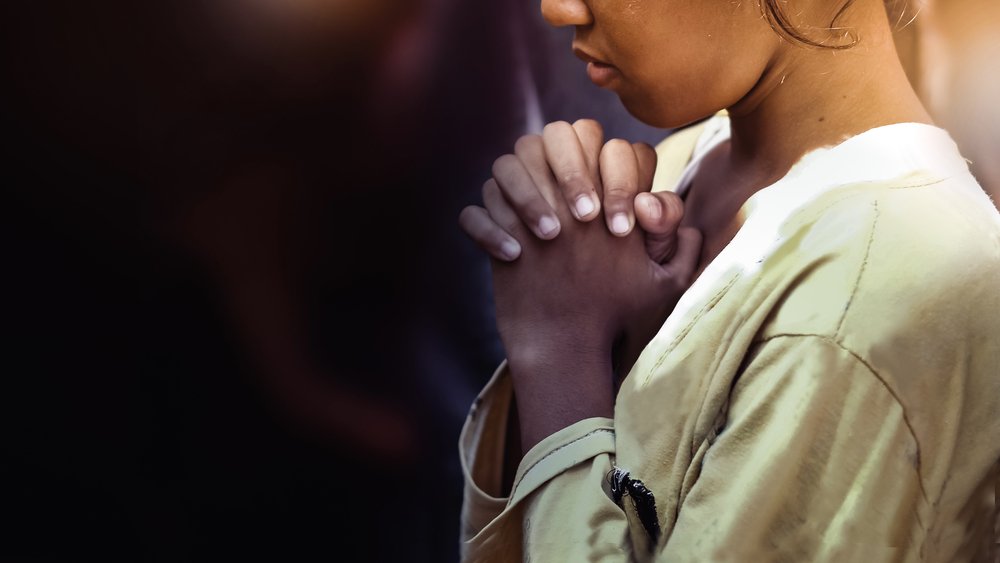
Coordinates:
column 561, row 336
column 664, row 51
column 674, row 62
column 784, row 99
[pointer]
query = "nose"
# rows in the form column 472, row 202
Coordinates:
column 561, row 13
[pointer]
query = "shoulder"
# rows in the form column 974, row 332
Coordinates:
column 932, row 251
column 904, row 276
column 929, row 286
column 877, row 258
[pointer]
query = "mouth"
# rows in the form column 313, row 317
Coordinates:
column 600, row 72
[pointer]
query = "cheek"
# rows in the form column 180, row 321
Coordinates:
column 685, row 59
column 667, row 107
column 679, row 81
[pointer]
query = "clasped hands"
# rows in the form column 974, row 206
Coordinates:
column 577, row 299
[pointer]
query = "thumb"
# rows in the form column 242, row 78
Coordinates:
column 659, row 214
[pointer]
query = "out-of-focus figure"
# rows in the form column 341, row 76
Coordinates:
column 952, row 48
column 239, row 289
column 225, row 253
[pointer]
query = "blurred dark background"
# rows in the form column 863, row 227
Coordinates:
column 240, row 319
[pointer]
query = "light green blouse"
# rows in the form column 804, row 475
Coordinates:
column 827, row 390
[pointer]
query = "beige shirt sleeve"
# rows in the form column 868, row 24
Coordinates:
column 816, row 463
column 558, row 509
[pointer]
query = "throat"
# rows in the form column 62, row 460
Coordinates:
column 715, row 237
column 715, row 199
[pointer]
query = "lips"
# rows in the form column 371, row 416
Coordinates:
column 600, row 72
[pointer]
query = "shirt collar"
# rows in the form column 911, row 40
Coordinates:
column 882, row 154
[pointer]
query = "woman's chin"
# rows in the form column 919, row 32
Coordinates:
column 647, row 112
column 659, row 115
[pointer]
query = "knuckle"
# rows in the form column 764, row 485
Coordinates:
column 474, row 220
column 674, row 206
column 490, row 189
column 555, row 126
column 666, row 279
column 617, row 145
column 503, row 164
column 537, row 208
column 466, row 214
column 670, row 198
column 466, row 218
column 645, row 156
column 618, row 193
column 644, row 152
column 572, row 178
column 495, row 238
column 527, row 143
column 522, row 202
column 511, row 227
column 588, row 124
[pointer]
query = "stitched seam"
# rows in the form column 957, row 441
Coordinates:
column 720, row 353
column 928, row 184
column 861, row 272
column 546, row 456
column 851, row 194
column 802, row 220
column 871, row 369
column 687, row 328
column 715, row 298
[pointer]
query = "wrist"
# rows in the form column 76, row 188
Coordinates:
column 544, row 345
column 553, row 355
column 556, row 387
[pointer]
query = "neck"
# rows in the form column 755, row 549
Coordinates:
column 809, row 98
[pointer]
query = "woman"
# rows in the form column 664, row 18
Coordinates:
column 827, row 387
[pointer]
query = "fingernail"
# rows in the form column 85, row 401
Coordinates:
column 619, row 224
column 547, row 226
column 654, row 207
column 584, row 206
column 510, row 249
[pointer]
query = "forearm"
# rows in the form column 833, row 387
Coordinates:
column 558, row 384
column 562, row 466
